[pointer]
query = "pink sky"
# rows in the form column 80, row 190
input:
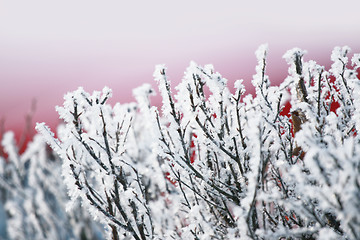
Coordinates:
column 48, row 48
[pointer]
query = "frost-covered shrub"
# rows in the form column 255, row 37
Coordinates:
column 217, row 164
column 106, row 163
column 326, row 181
column 33, row 196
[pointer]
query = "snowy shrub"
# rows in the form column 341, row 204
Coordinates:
column 33, row 196
column 215, row 163
column 106, row 162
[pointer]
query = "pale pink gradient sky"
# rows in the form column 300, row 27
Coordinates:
column 48, row 48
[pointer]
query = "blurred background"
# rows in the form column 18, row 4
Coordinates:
column 48, row 48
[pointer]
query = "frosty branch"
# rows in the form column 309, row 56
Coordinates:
column 212, row 164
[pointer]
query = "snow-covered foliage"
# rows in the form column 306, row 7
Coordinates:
column 106, row 161
column 215, row 163
column 33, row 196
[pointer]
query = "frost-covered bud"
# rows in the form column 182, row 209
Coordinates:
column 142, row 95
column 355, row 60
column 294, row 57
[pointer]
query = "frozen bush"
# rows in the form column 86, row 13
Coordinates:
column 215, row 163
column 33, row 196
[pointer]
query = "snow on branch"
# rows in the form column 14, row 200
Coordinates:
column 216, row 164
